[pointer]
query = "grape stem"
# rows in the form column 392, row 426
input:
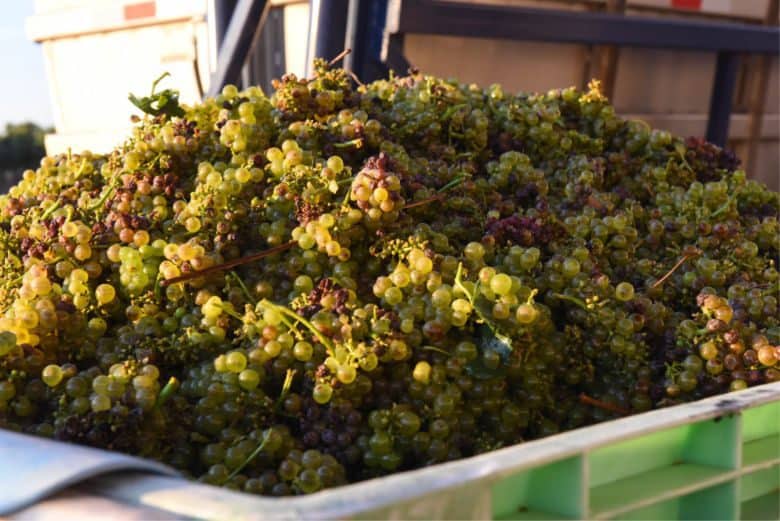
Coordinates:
column 340, row 56
column 157, row 287
column 230, row 264
column 81, row 167
column 452, row 184
column 288, row 380
column 471, row 297
column 674, row 268
column 167, row 391
column 587, row 400
column 105, row 196
column 243, row 287
column 231, row 312
column 725, row 206
column 292, row 327
column 357, row 143
column 459, row 284
column 308, row 325
column 421, row 202
column 680, row 149
column 450, row 111
column 51, row 209
column 439, row 195
column 249, row 458
column 355, row 78
column 573, row 300
column 436, row 349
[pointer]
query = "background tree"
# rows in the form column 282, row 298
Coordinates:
column 21, row 147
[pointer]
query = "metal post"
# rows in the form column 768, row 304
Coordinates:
column 609, row 58
column 241, row 34
column 218, row 15
column 327, row 29
column 351, row 38
column 364, row 34
column 223, row 11
column 722, row 97
column 392, row 54
column 271, row 62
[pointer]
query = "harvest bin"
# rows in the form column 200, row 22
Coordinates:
column 717, row 458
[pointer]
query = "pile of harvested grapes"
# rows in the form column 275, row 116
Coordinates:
column 285, row 294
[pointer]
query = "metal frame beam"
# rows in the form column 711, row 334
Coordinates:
column 327, row 30
column 365, row 29
column 722, row 97
column 523, row 23
column 241, row 34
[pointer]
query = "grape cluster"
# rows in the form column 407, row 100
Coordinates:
column 289, row 293
column 377, row 192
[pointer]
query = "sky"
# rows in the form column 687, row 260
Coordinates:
column 24, row 91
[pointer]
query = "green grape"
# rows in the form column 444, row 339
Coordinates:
column 142, row 382
column 624, row 291
column 220, row 364
column 100, row 384
column 474, row 251
column 7, row 390
column 346, row 374
column 335, row 163
column 570, row 267
column 7, row 342
column 248, row 379
column 501, row 284
column 526, row 314
column 422, row 372
column 322, row 393
column 235, row 361
column 52, row 375
column 303, row 351
column 100, row 402
column 393, row 296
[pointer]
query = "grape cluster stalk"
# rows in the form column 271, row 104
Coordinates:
column 337, row 282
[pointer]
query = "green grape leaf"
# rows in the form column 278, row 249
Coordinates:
column 490, row 339
column 166, row 102
column 156, row 104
